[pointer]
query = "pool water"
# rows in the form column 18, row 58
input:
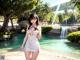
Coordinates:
column 47, row 43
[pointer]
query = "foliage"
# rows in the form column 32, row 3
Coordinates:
column 6, row 35
column 46, row 29
column 44, row 11
column 11, row 8
column 74, row 37
column 77, row 7
column 15, row 7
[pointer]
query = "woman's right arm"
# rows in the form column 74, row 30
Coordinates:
column 25, row 38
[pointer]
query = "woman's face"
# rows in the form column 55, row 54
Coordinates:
column 33, row 21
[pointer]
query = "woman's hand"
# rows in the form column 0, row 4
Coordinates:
column 39, row 36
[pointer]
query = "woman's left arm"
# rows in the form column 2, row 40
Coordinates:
column 39, row 35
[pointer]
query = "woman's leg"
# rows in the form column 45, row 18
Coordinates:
column 27, row 55
column 35, row 55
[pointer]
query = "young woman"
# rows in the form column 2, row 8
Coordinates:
column 31, row 46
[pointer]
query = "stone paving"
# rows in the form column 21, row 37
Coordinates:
column 44, row 55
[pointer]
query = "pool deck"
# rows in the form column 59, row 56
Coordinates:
column 44, row 55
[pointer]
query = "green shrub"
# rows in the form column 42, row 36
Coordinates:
column 46, row 29
column 74, row 37
column 6, row 34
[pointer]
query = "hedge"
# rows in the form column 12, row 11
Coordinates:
column 74, row 37
column 46, row 29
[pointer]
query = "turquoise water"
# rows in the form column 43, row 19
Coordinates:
column 48, row 43
column 60, row 45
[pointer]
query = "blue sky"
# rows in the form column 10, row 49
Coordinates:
column 55, row 2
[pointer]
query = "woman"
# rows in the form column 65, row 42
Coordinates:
column 31, row 46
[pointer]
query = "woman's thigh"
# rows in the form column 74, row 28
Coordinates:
column 27, row 54
column 35, row 55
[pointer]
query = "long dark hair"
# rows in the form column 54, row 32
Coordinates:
column 33, row 16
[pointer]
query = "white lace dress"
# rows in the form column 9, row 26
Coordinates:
column 32, row 43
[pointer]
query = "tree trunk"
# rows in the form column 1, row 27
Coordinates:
column 5, row 23
column 12, row 23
